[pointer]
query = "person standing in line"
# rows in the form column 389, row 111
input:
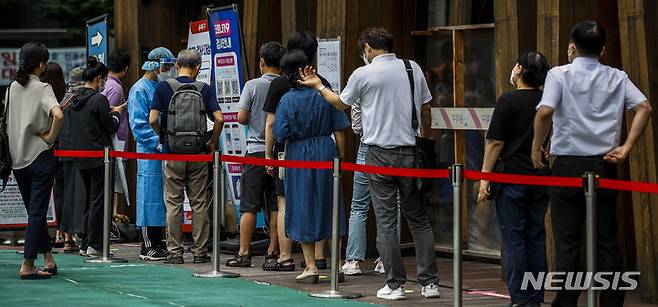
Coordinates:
column 118, row 62
column 73, row 207
column 185, row 178
column 356, row 237
column 307, row 123
column 585, row 102
column 151, row 212
column 256, row 184
column 383, row 90
column 55, row 77
column 92, row 124
column 520, row 208
column 34, row 120
column 307, row 43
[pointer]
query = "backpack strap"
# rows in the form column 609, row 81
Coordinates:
column 174, row 84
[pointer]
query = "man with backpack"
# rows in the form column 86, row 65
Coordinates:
column 180, row 108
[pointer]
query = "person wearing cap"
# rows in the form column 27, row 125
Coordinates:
column 151, row 213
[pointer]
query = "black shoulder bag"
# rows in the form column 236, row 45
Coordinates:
column 5, row 154
column 424, row 150
column 494, row 187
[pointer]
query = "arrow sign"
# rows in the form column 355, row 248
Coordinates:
column 97, row 39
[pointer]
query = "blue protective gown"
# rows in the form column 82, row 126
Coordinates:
column 150, row 186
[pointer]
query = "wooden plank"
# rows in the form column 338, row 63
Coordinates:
column 250, row 31
column 458, row 101
column 637, row 27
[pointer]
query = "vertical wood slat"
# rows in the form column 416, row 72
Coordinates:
column 636, row 55
column 458, row 102
column 250, row 30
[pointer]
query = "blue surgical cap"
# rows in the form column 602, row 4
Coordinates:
column 155, row 55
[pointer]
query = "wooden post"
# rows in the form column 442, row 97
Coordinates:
column 638, row 29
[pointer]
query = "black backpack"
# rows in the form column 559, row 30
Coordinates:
column 186, row 118
column 5, row 154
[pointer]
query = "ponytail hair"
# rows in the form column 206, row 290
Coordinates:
column 94, row 69
column 291, row 63
column 31, row 56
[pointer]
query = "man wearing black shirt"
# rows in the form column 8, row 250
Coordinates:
column 306, row 42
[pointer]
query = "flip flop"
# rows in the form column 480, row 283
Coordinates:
column 37, row 274
column 283, row 266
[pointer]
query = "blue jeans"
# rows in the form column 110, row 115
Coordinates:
column 356, row 238
column 521, row 210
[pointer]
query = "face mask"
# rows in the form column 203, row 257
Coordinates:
column 164, row 76
column 364, row 57
column 511, row 78
column 570, row 53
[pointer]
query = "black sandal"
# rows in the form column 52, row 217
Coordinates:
column 240, row 261
column 37, row 274
column 52, row 271
column 287, row 265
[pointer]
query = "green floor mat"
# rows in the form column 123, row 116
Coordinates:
column 139, row 284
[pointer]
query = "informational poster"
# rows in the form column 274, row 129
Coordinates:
column 227, row 80
column 198, row 39
column 67, row 58
column 329, row 62
column 12, row 210
column 97, row 38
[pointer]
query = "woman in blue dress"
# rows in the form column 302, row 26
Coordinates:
column 307, row 122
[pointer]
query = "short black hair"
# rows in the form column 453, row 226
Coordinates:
column 304, row 41
column 94, row 69
column 291, row 62
column 118, row 60
column 271, row 53
column 377, row 38
column 534, row 68
column 589, row 37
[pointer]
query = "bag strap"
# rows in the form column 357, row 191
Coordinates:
column 6, row 106
column 516, row 145
column 410, row 76
column 174, row 84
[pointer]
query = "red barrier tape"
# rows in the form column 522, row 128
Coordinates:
column 400, row 172
column 527, row 180
column 573, row 182
column 161, row 157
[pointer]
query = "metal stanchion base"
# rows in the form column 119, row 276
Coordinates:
column 216, row 274
column 106, row 260
column 335, row 294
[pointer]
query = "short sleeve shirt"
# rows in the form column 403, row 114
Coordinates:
column 279, row 87
column 162, row 96
column 28, row 118
column 252, row 99
column 114, row 93
column 588, row 99
column 383, row 91
column 513, row 115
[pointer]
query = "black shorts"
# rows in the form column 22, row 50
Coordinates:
column 257, row 188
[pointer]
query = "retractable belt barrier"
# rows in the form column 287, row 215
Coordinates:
column 589, row 182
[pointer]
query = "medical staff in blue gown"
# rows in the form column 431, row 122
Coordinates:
column 151, row 213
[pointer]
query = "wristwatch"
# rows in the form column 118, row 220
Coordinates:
column 321, row 89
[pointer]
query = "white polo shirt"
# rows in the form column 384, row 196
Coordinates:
column 382, row 89
column 588, row 99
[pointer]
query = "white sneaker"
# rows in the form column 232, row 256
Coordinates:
column 430, row 291
column 93, row 253
column 351, row 268
column 379, row 266
column 393, row 295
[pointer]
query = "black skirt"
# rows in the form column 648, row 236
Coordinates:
column 73, row 207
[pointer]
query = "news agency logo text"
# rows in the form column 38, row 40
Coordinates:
column 554, row 281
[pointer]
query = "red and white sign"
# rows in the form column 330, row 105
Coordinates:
column 12, row 209
column 461, row 118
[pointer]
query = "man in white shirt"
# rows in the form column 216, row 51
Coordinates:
column 384, row 92
column 585, row 101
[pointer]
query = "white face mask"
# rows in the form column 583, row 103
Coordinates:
column 364, row 57
column 164, row 76
column 511, row 78
column 570, row 53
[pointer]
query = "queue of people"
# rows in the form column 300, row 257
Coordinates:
column 292, row 113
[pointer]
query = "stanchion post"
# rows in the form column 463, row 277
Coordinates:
column 590, row 184
column 218, row 189
column 107, row 211
column 457, row 180
column 335, row 246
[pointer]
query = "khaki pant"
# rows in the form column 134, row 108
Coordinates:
column 190, row 177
